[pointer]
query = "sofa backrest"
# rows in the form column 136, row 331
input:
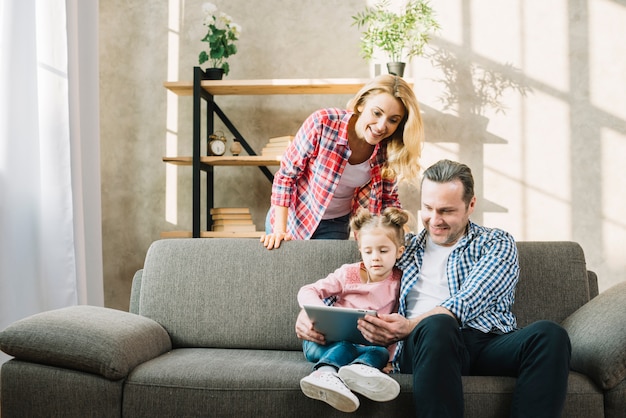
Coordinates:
column 233, row 293
column 553, row 281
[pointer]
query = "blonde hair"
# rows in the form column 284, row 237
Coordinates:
column 392, row 220
column 404, row 147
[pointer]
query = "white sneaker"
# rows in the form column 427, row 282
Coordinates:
column 328, row 387
column 369, row 382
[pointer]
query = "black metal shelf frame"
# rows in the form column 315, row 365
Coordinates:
column 212, row 110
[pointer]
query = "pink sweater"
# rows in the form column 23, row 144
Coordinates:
column 345, row 283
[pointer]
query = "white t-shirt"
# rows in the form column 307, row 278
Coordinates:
column 431, row 287
column 353, row 176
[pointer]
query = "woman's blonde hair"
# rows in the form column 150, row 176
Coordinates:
column 404, row 147
column 392, row 220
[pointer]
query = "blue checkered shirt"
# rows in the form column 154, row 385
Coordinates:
column 482, row 272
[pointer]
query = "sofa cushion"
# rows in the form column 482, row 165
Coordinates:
column 98, row 340
column 598, row 335
column 233, row 292
column 550, row 272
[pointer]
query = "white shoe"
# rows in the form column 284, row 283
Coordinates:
column 328, row 387
column 369, row 382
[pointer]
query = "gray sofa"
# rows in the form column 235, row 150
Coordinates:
column 211, row 333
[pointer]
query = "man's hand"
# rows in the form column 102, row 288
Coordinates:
column 389, row 329
column 305, row 330
column 385, row 329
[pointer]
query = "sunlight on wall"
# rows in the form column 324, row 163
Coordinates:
column 613, row 197
column 547, row 142
column 607, row 69
column 495, row 39
column 544, row 40
column 171, row 137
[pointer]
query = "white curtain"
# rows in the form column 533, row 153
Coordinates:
column 50, row 217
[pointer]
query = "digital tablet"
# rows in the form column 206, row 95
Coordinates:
column 338, row 324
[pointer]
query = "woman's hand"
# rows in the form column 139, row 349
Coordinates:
column 279, row 227
column 274, row 239
column 305, row 330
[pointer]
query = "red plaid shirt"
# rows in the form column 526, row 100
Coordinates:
column 312, row 166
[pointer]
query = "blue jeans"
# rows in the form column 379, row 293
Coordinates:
column 338, row 228
column 342, row 353
column 438, row 353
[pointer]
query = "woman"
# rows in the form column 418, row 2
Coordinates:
column 344, row 159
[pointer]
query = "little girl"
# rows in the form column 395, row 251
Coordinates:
column 342, row 367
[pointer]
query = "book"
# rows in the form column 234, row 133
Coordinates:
column 232, row 222
column 215, row 211
column 272, row 153
column 276, row 145
column 219, row 216
column 287, row 139
column 235, row 228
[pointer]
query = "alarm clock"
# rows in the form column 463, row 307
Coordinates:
column 217, row 144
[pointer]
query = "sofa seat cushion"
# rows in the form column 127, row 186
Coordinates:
column 92, row 339
column 598, row 335
column 237, row 382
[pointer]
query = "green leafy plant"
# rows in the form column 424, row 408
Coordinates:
column 399, row 35
column 221, row 35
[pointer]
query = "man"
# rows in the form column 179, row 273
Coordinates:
column 454, row 314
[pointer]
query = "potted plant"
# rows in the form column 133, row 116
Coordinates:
column 221, row 35
column 400, row 35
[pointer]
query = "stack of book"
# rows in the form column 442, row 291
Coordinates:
column 276, row 146
column 232, row 220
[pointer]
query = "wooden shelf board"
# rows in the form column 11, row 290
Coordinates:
column 271, row 86
column 252, row 160
column 212, row 234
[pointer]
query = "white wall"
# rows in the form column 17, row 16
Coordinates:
column 548, row 166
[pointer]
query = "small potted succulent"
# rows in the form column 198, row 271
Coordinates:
column 401, row 36
column 221, row 35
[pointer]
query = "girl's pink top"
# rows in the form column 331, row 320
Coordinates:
column 346, row 286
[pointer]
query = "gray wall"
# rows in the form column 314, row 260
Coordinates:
column 548, row 164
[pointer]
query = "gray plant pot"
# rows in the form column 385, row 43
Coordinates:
column 396, row 68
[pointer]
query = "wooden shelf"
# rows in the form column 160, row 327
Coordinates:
column 212, row 234
column 271, row 86
column 200, row 90
column 251, row 160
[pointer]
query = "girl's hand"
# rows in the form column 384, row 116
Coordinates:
column 305, row 330
column 388, row 368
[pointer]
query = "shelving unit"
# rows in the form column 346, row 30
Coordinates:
column 201, row 89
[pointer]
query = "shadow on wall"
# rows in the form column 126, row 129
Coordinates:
column 470, row 90
column 571, row 130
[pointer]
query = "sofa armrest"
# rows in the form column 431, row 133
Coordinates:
column 597, row 332
column 135, row 292
column 97, row 340
column 593, row 284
